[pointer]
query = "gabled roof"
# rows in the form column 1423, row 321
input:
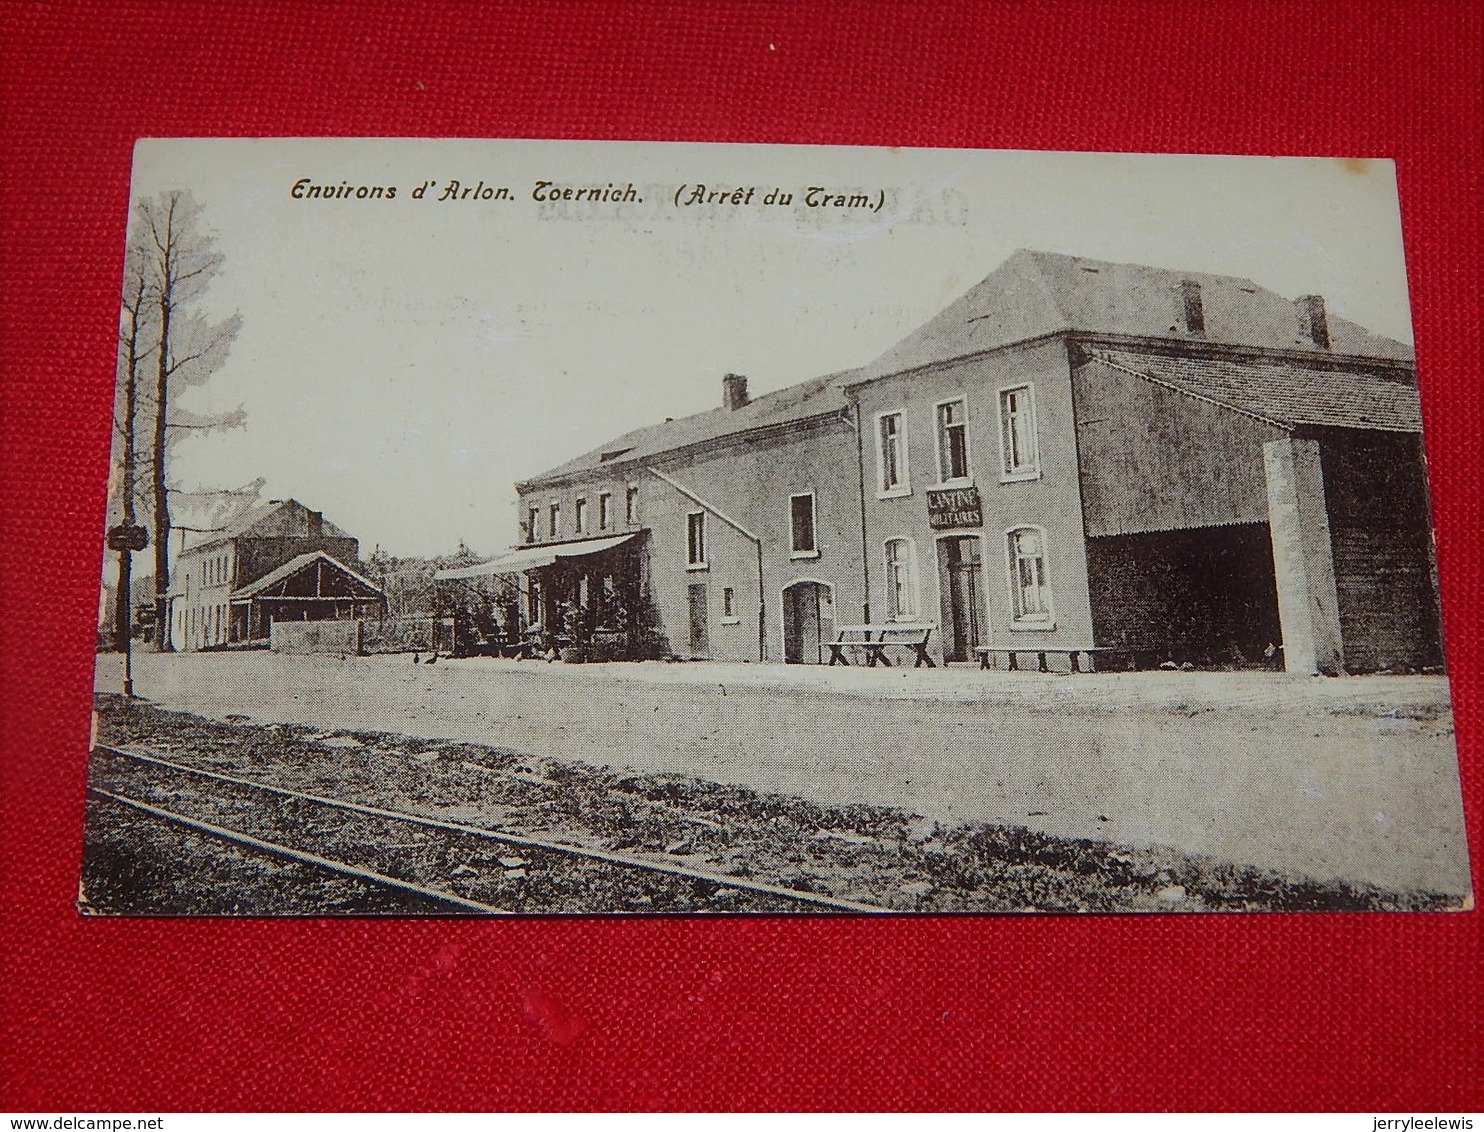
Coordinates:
column 1035, row 294
column 292, row 567
column 1286, row 394
column 1031, row 295
column 259, row 519
column 266, row 520
column 816, row 397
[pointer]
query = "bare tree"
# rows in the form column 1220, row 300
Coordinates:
column 180, row 261
column 135, row 347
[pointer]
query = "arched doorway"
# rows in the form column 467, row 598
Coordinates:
column 961, row 567
column 808, row 621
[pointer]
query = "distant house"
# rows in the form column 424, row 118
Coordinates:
column 1075, row 454
column 278, row 562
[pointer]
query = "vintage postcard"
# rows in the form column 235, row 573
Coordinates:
column 519, row 527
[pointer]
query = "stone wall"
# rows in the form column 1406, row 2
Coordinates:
column 344, row 637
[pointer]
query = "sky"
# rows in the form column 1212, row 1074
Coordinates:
column 402, row 362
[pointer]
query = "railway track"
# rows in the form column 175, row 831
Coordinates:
column 463, row 868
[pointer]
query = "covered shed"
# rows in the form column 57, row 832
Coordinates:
column 309, row 587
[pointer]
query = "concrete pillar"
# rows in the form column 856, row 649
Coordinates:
column 1308, row 605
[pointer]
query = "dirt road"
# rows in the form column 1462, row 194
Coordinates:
column 1352, row 779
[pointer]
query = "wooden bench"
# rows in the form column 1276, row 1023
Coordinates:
column 874, row 640
column 1012, row 659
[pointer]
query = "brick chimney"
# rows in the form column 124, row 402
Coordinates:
column 1195, row 309
column 315, row 520
column 1313, row 319
column 733, row 391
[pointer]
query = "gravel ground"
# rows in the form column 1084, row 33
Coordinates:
column 1350, row 780
column 136, row 865
column 883, row 856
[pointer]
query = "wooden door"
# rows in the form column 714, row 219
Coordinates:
column 963, row 564
column 700, row 631
column 808, row 621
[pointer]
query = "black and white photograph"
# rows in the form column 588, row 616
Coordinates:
column 588, row 528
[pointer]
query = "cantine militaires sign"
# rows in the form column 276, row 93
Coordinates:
column 954, row 507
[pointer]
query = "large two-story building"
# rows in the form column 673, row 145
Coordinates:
column 1160, row 465
column 1164, row 465
column 279, row 561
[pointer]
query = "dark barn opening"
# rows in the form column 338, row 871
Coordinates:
column 1205, row 596
column 1375, row 487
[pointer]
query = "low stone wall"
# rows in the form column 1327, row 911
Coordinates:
column 317, row 637
column 408, row 634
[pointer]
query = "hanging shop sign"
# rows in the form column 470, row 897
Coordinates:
column 128, row 536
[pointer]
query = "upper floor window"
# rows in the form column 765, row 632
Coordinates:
column 801, row 525
column 1030, row 591
column 554, row 519
column 1020, row 456
column 953, row 442
column 579, row 516
column 901, row 581
column 891, row 456
column 695, row 539
column 631, row 506
column 533, row 524
column 605, row 510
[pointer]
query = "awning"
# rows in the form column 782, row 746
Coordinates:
column 533, row 558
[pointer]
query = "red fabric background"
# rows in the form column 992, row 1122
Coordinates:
column 1262, row 1011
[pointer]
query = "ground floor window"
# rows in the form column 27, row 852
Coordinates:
column 1030, row 592
column 901, row 581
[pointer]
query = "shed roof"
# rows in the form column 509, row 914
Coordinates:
column 1287, row 394
column 533, row 557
